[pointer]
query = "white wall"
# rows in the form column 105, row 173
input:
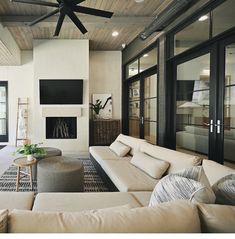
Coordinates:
column 62, row 59
column 20, row 84
column 106, row 77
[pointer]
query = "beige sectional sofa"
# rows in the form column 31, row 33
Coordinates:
column 110, row 212
column 125, row 211
column 125, row 176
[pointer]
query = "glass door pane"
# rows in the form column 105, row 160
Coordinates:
column 150, row 109
column 229, row 104
column 134, row 109
column 192, row 113
column 3, row 112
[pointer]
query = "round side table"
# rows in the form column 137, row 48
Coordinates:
column 20, row 163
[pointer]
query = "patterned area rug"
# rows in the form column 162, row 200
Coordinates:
column 92, row 181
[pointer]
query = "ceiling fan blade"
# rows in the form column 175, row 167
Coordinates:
column 59, row 24
column 93, row 11
column 38, row 2
column 44, row 17
column 77, row 22
column 78, row 1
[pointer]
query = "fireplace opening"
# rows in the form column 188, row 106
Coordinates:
column 61, row 127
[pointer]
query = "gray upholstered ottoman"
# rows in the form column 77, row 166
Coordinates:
column 60, row 174
column 50, row 152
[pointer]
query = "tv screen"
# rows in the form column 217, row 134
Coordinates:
column 61, row 92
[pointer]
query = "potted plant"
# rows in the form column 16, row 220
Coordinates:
column 31, row 150
column 96, row 107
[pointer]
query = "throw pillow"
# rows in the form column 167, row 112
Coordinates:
column 190, row 184
column 3, row 221
column 152, row 166
column 120, row 149
column 224, row 190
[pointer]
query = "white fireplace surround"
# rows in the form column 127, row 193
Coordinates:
column 62, row 111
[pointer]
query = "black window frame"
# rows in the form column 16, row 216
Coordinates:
column 5, row 138
column 206, row 9
column 141, row 75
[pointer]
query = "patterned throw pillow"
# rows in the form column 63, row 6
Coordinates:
column 188, row 184
column 3, row 221
column 224, row 190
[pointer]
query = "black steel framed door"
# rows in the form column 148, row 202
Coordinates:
column 193, row 112
column 142, row 107
column 202, row 106
column 225, row 120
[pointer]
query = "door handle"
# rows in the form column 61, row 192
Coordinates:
column 211, row 126
column 218, row 125
column 142, row 120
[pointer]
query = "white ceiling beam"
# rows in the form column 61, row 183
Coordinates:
column 17, row 21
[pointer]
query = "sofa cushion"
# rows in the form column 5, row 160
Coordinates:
column 3, row 220
column 127, row 177
column 197, row 130
column 224, row 190
column 16, row 200
column 143, row 198
column 133, row 143
column 152, row 166
column 189, row 184
column 176, row 159
column 103, row 153
column 217, row 218
column 75, row 202
column 215, row 171
column 119, row 148
column 180, row 216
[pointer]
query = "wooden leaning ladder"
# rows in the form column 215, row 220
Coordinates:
column 22, row 104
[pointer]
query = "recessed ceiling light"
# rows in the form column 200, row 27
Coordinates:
column 203, row 18
column 145, row 55
column 139, row 1
column 115, row 34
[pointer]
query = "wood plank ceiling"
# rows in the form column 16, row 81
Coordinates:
column 130, row 18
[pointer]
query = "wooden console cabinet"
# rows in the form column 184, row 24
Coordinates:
column 104, row 132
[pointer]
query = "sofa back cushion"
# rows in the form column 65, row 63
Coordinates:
column 176, row 159
column 217, row 218
column 181, row 216
column 3, row 221
column 196, row 130
column 215, row 171
column 152, row 166
column 119, row 148
column 132, row 142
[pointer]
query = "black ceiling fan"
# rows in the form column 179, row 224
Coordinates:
column 66, row 7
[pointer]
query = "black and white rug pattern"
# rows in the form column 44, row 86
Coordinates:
column 92, row 181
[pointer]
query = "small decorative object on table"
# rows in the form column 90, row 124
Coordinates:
column 31, row 150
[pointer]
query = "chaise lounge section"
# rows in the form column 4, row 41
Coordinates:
column 119, row 174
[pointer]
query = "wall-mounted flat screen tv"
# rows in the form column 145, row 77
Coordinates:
column 62, row 92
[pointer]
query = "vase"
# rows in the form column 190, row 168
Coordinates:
column 30, row 157
column 97, row 116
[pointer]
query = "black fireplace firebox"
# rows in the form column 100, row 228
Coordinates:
column 61, row 127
